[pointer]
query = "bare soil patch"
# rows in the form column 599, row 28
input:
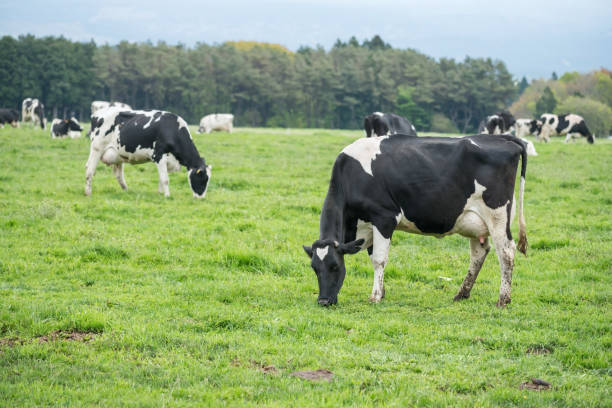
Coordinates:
column 316, row 375
column 535, row 384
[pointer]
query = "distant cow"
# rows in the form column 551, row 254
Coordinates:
column 569, row 124
column 99, row 105
column 386, row 124
column 217, row 121
column 66, row 127
column 120, row 136
column 527, row 127
column 496, row 124
column 33, row 110
column 10, row 116
column 430, row 186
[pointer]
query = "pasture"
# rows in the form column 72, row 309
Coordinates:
column 127, row 298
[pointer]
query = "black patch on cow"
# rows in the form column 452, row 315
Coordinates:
column 391, row 123
column 39, row 110
column 62, row 128
column 508, row 214
column 561, row 124
column 534, row 129
column 8, row 116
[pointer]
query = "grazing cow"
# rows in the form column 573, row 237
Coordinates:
column 430, row 186
column 66, row 127
column 385, row 124
column 33, row 110
column 496, row 124
column 119, row 136
column 217, row 121
column 10, row 116
column 527, row 127
column 99, row 105
column 571, row 125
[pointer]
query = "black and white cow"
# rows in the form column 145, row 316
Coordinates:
column 496, row 124
column 527, row 127
column 66, row 127
column 383, row 124
column 10, row 116
column 97, row 106
column 119, row 136
column 33, row 110
column 429, row 186
column 569, row 124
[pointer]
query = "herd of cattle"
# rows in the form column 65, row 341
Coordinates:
column 390, row 180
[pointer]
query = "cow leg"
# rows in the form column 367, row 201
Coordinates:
column 379, row 258
column 568, row 138
column 504, row 246
column 164, row 180
column 90, row 169
column 118, row 171
column 478, row 254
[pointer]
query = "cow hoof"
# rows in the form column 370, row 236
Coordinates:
column 461, row 296
column 503, row 302
column 375, row 299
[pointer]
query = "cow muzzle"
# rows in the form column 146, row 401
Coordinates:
column 327, row 302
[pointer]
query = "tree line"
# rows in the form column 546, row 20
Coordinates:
column 261, row 84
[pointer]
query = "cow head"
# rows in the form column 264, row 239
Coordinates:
column 198, row 180
column 535, row 126
column 327, row 260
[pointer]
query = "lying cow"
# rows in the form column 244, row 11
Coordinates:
column 501, row 122
column 97, row 106
column 120, row 136
column 10, row 116
column 385, row 124
column 66, row 127
column 217, row 121
column 429, row 186
column 32, row 110
column 571, row 125
column 527, row 127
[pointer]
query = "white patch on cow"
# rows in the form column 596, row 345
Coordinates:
column 182, row 123
column 151, row 116
column 413, row 128
column 172, row 163
column 364, row 231
column 322, row 252
column 403, row 224
column 531, row 151
column 379, row 258
column 474, row 143
column 378, row 113
column 365, row 151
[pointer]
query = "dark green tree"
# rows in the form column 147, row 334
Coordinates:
column 546, row 103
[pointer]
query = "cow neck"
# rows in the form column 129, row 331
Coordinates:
column 332, row 215
column 191, row 160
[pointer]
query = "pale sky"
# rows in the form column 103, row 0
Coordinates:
column 533, row 38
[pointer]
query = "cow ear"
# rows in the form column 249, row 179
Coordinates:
column 308, row 250
column 351, row 247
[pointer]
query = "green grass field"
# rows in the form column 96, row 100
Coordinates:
column 126, row 298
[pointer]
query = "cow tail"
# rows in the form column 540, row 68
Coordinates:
column 522, row 244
